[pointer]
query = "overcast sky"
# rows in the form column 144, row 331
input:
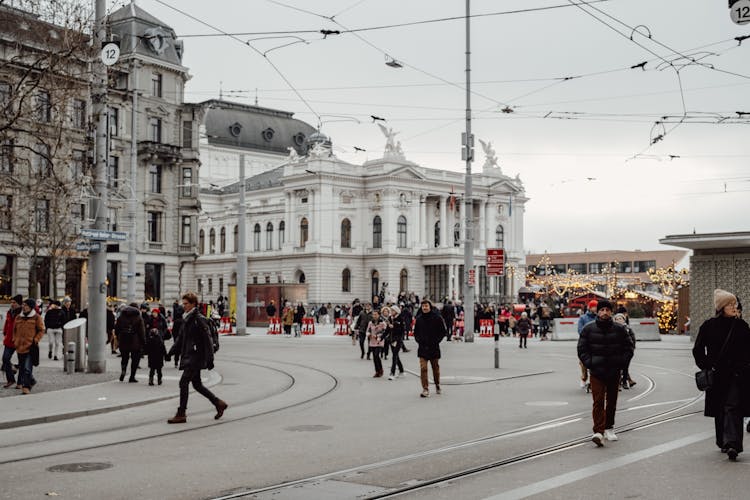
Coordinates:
column 582, row 146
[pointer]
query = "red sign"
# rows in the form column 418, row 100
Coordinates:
column 472, row 277
column 495, row 262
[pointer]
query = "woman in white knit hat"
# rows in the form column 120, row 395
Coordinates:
column 723, row 344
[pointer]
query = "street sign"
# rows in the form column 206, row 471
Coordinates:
column 104, row 235
column 110, row 53
column 126, row 274
column 472, row 277
column 84, row 246
column 495, row 262
column 740, row 12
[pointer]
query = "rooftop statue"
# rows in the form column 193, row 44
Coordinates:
column 392, row 149
column 293, row 156
column 490, row 158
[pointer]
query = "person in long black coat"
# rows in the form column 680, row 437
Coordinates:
column 728, row 400
column 429, row 330
column 156, row 352
column 131, row 339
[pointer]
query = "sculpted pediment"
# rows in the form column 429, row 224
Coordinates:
column 407, row 172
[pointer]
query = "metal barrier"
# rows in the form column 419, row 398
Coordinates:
column 74, row 331
column 645, row 329
column 565, row 329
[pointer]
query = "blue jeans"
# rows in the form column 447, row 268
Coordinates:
column 25, row 367
column 7, row 365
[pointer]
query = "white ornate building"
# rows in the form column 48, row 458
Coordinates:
column 345, row 230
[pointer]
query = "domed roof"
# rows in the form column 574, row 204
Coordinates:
column 253, row 127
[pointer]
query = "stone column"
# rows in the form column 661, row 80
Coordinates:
column 287, row 218
column 424, row 230
column 443, row 222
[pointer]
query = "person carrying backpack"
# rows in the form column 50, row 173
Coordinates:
column 196, row 349
column 131, row 339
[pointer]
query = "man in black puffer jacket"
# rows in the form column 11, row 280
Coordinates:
column 605, row 348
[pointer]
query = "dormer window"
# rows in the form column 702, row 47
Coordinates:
column 235, row 129
column 267, row 134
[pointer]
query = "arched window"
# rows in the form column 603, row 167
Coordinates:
column 374, row 283
column 437, row 234
column 256, row 238
column 403, row 282
column 377, row 232
column 346, row 280
column 269, row 236
column 212, row 241
column 236, row 238
column 201, row 241
column 223, row 240
column 457, row 234
column 346, row 233
column 282, row 228
column 499, row 237
column 401, row 231
column 303, row 228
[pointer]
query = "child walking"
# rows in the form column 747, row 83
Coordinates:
column 156, row 353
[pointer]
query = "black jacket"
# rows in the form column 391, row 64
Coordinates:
column 605, row 348
column 155, row 350
column 131, row 334
column 194, row 344
column 734, row 364
column 429, row 330
column 54, row 318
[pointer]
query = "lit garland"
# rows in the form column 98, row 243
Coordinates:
column 669, row 280
column 667, row 316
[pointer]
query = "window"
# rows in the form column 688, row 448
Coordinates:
column 153, row 281
column 187, row 182
column 43, row 106
column 154, row 128
column 346, row 233
column 558, row 268
column 377, row 232
column 186, row 230
column 624, row 267
column 437, row 234
column 579, row 268
column 597, row 267
column 6, row 272
column 114, row 122
column 112, row 219
column 401, row 232
column 6, row 209
column 457, row 234
column 346, row 280
column 39, row 275
column 201, row 242
column 187, row 134
column 374, row 283
column 221, row 285
column 222, row 240
column 79, row 114
column 499, row 237
column 156, row 84
column 282, row 228
column 212, row 241
column 77, row 163
column 642, row 266
column 153, row 226
column 112, row 274
column 236, row 238
column 41, row 216
column 6, row 157
column 210, row 286
column 269, row 236
column 154, row 178
column 256, row 238
column 40, row 161
column 113, row 172
column 403, row 281
column 303, row 227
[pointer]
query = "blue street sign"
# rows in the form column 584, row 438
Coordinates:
column 83, row 246
column 104, row 235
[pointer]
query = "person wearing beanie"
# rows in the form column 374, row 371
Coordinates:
column 523, row 327
column 28, row 330
column 54, row 319
column 68, row 309
column 622, row 319
column 723, row 344
column 8, row 346
column 605, row 349
column 586, row 318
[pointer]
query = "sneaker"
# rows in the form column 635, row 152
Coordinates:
column 26, row 390
column 438, row 391
column 425, row 394
column 610, row 435
column 583, row 384
column 56, row 358
column 597, row 438
column 625, row 384
column 631, row 382
column 390, row 377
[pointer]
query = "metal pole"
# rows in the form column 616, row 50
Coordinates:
column 241, row 257
column 97, row 362
column 468, row 200
column 497, row 350
column 133, row 204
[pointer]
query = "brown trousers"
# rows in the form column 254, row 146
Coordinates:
column 604, row 393
column 435, row 372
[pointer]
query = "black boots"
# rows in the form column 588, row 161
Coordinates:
column 220, row 407
column 179, row 418
column 122, row 375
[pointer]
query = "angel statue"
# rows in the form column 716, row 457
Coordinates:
column 319, row 150
column 390, row 145
column 490, row 158
column 293, row 156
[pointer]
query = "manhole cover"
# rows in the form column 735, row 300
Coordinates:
column 80, row 467
column 309, row 428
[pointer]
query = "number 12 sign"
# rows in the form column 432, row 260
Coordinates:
column 740, row 12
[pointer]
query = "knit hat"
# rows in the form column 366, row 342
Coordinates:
column 722, row 298
column 604, row 303
column 30, row 302
column 593, row 304
column 619, row 318
column 67, row 299
column 18, row 299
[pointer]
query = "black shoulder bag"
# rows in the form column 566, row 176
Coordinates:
column 704, row 379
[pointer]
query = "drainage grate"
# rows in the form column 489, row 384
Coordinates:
column 80, row 467
column 308, row 428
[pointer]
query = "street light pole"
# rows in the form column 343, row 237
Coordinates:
column 241, row 293
column 133, row 203
column 468, row 155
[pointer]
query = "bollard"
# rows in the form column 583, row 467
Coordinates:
column 497, row 350
column 70, row 360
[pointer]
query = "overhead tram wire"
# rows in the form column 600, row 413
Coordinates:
column 263, row 55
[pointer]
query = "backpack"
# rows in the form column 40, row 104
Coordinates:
column 214, row 332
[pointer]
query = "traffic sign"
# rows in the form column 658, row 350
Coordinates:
column 740, row 12
column 83, row 246
column 110, row 53
column 495, row 262
column 104, row 235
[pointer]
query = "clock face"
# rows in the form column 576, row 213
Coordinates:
column 156, row 40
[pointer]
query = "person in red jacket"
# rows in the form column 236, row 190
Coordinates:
column 10, row 347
